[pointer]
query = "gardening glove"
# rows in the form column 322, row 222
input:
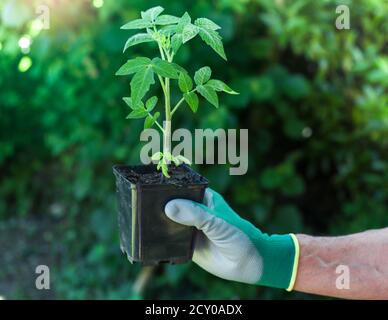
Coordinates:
column 234, row 249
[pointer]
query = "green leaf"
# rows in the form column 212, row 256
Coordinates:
column 183, row 159
column 136, row 39
column 133, row 66
column 218, row 85
column 185, row 83
column 168, row 30
column 128, row 101
column 164, row 68
column 166, row 19
column 192, row 100
column 178, row 68
column 183, row 21
column 157, row 156
column 141, row 83
column 137, row 114
column 207, row 24
column 189, row 32
column 202, row 75
column 209, row 94
column 152, row 13
column 164, row 167
column 151, row 103
column 137, row 24
column 176, row 42
column 150, row 120
column 213, row 39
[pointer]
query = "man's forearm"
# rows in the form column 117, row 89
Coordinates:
column 354, row 266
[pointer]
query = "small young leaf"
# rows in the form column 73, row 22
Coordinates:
column 165, row 169
column 136, row 39
column 192, row 100
column 137, row 114
column 167, row 156
column 209, row 94
column 213, row 39
column 166, row 19
column 183, row 159
column 189, row 32
column 202, row 75
column 141, row 83
column 176, row 161
column 157, row 156
column 206, row 23
column 150, row 120
column 218, row 85
column 133, row 66
column 137, row 24
column 151, row 103
column 185, row 83
column 152, row 13
column 164, row 68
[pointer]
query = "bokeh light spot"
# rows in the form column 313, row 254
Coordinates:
column 98, row 3
column 24, row 42
column 25, row 64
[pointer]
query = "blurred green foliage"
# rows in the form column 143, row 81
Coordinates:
column 314, row 99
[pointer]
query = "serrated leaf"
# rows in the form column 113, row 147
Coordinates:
column 152, row 13
column 202, row 75
column 192, row 100
column 137, row 24
column 164, row 68
column 151, row 103
column 136, row 39
column 206, row 23
column 176, row 42
column 150, row 120
column 141, row 83
column 166, row 19
column 189, row 32
column 128, row 101
column 137, row 114
column 133, row 66
column 183, row 21
column 157, row 156
column 209, row 94
column 213, row 39
column 218, row 85
column 185, row 83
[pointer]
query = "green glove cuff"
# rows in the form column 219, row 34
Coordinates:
column 280, row 260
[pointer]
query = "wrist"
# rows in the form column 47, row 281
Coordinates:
column 280, row 255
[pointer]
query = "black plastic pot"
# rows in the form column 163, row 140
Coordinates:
column 146, row 234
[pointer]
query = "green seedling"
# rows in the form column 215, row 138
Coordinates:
column 169, row 33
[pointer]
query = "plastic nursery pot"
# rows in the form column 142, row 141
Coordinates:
column 147, row 235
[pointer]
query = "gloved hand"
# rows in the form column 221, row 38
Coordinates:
column 234, row 249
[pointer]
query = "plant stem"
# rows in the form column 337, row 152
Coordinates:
column 180, row 102
column 177, row 106
column 167, row 127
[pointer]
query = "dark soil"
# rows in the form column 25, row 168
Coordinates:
column 149, row 175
